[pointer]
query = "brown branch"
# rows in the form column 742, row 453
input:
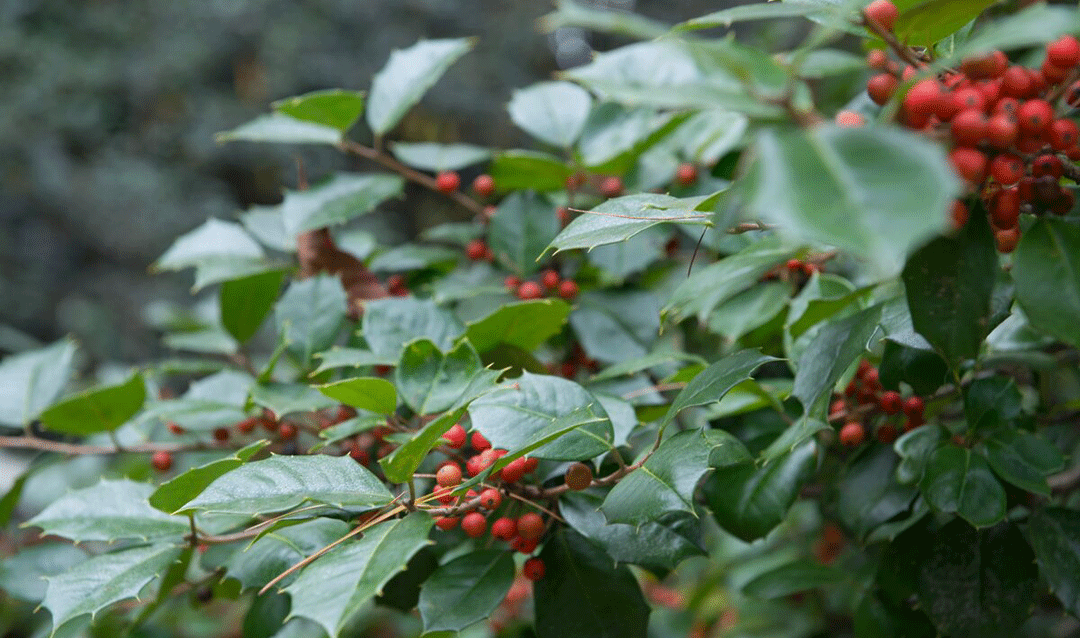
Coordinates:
column 1065, row 481
column 427, row 181
column 747, row 227
column 60, row 447
column 905, row 52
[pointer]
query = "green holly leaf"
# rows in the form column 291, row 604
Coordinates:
column 668, row 479
column 830, row 354
column 953, row 316
column 429, row 156
column 219, row 251
column 794, row 577
column 246, row 302
column 407, row 75
column 583, row 593
column 23, row 576
column 1053, row 533
column 1046, row 270
column 364, row 393
column 336, row 201
column 171, row 496
column 391, row 323
column 30, row 381
column 330, row 589
column 99, row 409
column 281, row 129
column 466, row 590
column 282, row 483
column 533, row 170
column 959, row 480
column 712, row 383
column 749, row 501
column 659, row 544
column 528, row 407
column 552, row 112
column 851, row 188
column 525, row 324
column 93, row 585
column 521, row 229
column 868, row 494
column 335, row 108
column 1023, row 459
column 310, row 314
column 109, row 511
column 431, row 381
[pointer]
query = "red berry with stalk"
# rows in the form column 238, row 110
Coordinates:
column 447, row 182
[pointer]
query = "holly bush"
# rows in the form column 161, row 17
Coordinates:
column 724, row 354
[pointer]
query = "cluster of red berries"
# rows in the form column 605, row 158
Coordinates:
column 449, row 181
column 866, row 402
column 162, row 461
column 550, row 282
column 576, row 360
column 1009, row 143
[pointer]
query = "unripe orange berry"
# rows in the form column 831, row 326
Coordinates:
column 578, row 476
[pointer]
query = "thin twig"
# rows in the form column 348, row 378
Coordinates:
column 905, row 52
column 60, row 447
column 427, row 181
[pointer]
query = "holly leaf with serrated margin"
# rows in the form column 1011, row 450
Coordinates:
column 172, row 495
column 281, row 483
column 109, row 511
column 667, row 480
column 328, row 590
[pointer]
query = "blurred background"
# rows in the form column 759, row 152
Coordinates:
column 109, row 109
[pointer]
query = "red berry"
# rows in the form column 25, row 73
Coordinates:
column 1063, row 203
column 530, row 526
column 990, row 65
column 686, row 174
column 483, row 185
column 1064, row 52
column 550, row 279
column 578, row 476
column 914, row 407
column 455, row 436
column 504, row 528
column 849, row 119
column 1034, row 116
column 611, row 187
column 531, row 464
column 910, row 424
column 568, row 289
column 1063, row 134
column 1005, row 210
column 959, row 214
column 448, row 475
column 883, row 12
column 852, row 434
column 221, row 434
column 877, row 59
column 1006, row 240
column 533, row 569
column 969, row 127
column 479, row 443
column 175, row 428
column 575, row 181
column 476, row 250
column 491, row 498
column 513, row 471
column 923, row 98
column 446, row 523
column 891, row 402
column 563, row 213
column 162, row 461
column 447, row 182
column 969, row 98
column 1051, row 73
column 529, row 290
column 1007, row 169
column 287, row 432
column 969, row 164
column 887, row 433
column 512, row 282
column 1047, row 165
column 1002, row 131
column 881, row 87
column 519, row 544
column 1016, row 82
column 474, row 524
